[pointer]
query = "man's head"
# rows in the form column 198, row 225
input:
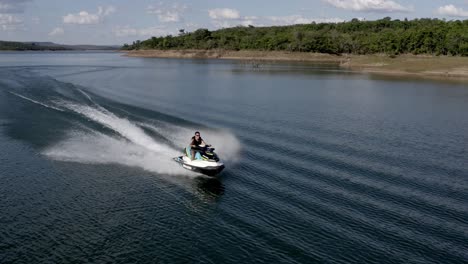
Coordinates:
column 197, row 134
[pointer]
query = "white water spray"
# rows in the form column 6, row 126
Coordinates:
column 97, row 148
column 227, row 145
column 134, row 147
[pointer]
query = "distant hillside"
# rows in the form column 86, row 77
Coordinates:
column 22, row 46
column 418, row 36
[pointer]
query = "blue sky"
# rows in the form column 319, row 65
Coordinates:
column 123, row 21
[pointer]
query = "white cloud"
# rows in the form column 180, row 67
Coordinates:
column 251, row 17
column 142, row 32
column 298, row 19
column 8, row 10
column 85, row 18
column 188, row 27
column 169, row 17
column 226, row 17
column 106, row 11
column 247, row 22
column 451, row 10
column 224, row 13
column 82, row 17
column 234, row 23
column 6, row 19
column 273, row 21
column 9, row 22
column 36, row 20
column 369, row 5
column 57, row 31
column 165, row 14
column 13, row 6
column 225, row 23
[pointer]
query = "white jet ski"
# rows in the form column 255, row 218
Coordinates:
column 206, row 161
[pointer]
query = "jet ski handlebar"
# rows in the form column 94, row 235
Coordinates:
column 204, row 148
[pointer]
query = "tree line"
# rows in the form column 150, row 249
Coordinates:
column 22, row 46
column 418, row 36
column 50, row 46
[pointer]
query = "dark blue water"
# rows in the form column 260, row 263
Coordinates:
column 322, row 165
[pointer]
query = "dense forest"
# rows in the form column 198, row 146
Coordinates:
column 418, row 36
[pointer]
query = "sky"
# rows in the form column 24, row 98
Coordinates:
column 115, row 22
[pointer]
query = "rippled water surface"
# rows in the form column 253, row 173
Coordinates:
column 322, row 165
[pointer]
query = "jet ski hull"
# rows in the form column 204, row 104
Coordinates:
column 200, row 166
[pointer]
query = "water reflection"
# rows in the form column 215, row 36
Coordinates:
column 208, row 189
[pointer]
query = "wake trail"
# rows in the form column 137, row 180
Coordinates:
column 150, row 144
column 135, row 148
column 36, row 102
column 86, row 95
column 132, row 146
column 123, row 126
column 98, row 148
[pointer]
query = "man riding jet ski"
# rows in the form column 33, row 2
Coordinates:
column 200, row 157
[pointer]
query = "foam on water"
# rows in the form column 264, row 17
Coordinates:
column 130, row 144
column 98, row 148
column 227, row 145
column 134, row 147
column 123, row 126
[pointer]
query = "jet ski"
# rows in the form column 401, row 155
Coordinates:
column 206, row 161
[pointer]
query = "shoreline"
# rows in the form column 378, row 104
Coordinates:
column 422, row 66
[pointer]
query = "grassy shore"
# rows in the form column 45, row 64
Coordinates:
column 438, row 67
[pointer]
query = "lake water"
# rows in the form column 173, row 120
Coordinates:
column 322, row 165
